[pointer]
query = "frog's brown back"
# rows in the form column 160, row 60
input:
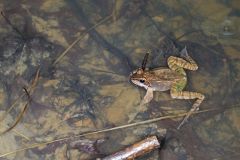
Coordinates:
column 165, row 74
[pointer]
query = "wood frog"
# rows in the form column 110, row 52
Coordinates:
column 171, row 78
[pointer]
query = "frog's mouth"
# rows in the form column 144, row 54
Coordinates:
column 137, row 83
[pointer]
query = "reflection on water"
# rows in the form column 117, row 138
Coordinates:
column 88, row 89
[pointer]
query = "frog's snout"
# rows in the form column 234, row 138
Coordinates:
column 130, row 76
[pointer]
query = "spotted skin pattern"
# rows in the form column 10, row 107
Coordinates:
column 173, row 78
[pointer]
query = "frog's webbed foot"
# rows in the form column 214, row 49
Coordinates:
column 148, row 97
column 184, row 52
column 194, row 108
column 182, row 123
column 185, row 120
column 188, row 95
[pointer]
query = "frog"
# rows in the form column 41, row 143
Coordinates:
column 172, row 78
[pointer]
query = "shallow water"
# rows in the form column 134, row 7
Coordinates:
column 88, row 89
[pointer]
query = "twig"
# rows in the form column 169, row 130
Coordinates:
column 136, row 150
column 18, row 133
column 30, row 90
column 17, row 120
column 27, row 92
column 11, row 107
column 34, row 82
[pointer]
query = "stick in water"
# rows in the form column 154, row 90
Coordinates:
column 136, row 150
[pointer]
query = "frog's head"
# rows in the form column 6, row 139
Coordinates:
column 138, row 78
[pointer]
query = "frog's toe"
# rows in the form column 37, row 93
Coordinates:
column 184, row 52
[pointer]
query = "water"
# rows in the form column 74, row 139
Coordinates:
column 88, row 89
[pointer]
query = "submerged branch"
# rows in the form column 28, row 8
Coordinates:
column 136, row 150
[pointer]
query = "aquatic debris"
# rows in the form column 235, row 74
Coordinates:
column 228, row 28
column 83, row 145
column 136, row 150
column 27, row 92
column 17, row 119
column 35, row 145
column 86, row 145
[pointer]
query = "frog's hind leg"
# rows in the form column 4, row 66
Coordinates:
column 175, row 63
column 176, row 92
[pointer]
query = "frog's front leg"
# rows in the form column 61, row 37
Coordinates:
column 176, row 92
column 148, row 96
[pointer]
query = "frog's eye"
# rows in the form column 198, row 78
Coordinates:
column 142, row 80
